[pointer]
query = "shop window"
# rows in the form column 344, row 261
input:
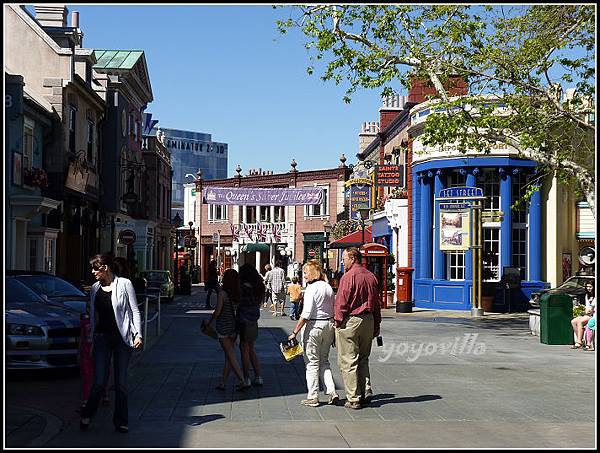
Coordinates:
column 455, row 262
column 491, row 254
column 455, row 179
column 491, row 189
column 519, row 250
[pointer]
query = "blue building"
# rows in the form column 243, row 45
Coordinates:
column 191, row 151
column 443, row 279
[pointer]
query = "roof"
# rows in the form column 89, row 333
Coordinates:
column 353, row 239
column 116, row 59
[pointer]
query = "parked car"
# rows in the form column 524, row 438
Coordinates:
column 160, row 280
column 53, row 289
column 573, row 286
column 37, row 334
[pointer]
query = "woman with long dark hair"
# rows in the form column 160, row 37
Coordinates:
column 252, row 294
column 224, row 315
column 116, row 331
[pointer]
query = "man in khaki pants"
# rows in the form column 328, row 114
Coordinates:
column 357, row 320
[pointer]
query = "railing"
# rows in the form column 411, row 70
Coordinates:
column 151, row 295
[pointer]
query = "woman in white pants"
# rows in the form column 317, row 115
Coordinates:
column 318, row 334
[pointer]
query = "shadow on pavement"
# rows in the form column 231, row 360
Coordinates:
column 387, row 398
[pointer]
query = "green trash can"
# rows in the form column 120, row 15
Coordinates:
column 556, row 312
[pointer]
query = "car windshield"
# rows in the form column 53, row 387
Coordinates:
column 50, row 285
column 156, row 276
column 17, row 292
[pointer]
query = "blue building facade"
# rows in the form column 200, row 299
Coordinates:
column 191, row 151
column 443, row 279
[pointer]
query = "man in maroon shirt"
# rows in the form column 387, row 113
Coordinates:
column 357, row 316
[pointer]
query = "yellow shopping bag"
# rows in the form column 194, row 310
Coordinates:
column 290, row 349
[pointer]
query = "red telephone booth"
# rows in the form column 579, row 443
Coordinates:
column 375, row 258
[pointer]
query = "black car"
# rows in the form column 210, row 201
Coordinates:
column 573, row 286
column 54, row 290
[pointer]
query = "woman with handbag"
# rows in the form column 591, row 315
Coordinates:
column 224, row 315
column 116, row 331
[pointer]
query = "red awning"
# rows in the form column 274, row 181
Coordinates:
column 353, row 239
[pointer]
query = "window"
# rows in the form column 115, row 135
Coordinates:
column 49, row 256
column 33, row 255
column 124, row 123
column 491, row 190
column 217, row 212
column 491, row 254
column 249, row 215
column 131, row 125
column 265, row 214
column 455, row 179
column 72, row 127
column 455, row 265
column 90, row 142
column 321, row 209
column 279, row 214
column 519, row 217
column 519, row 250
column 28, row 144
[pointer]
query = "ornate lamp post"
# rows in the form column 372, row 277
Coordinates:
column 364, row 215
column 326, row 231
column 177, row 221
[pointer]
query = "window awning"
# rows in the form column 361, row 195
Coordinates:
column 255, row 247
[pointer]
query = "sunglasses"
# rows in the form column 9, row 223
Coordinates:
column 97, row 267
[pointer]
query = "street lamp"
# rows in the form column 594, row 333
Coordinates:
column 364, row 215
column 326, row 230
column 177, row 222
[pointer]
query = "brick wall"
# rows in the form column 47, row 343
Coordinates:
column 420, row 89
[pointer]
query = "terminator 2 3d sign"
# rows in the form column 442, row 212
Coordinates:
column 262, row 197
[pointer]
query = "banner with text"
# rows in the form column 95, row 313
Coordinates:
column 262, row 197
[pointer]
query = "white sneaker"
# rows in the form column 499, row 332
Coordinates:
column 248, row 382
column 258, row 381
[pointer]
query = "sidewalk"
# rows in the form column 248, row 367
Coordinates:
column 441, row 380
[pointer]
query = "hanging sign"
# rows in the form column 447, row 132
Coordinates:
column 127, row 237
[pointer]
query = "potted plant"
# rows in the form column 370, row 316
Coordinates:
column 35, row 177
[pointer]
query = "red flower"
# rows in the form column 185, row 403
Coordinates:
column 35, row 177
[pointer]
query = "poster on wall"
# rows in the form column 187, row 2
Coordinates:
column 454, row 229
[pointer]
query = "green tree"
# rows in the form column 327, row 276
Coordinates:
column 522, row 58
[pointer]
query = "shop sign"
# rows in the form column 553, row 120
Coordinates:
column 455, row 193
column 360, row 198
column 127, row 237
column 389, row 175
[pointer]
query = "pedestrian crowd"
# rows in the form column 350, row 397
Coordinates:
column 348, row 321
column 584, row 326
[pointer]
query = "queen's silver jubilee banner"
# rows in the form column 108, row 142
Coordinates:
column 262, row 197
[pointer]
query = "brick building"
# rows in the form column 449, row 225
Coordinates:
column 263, row 234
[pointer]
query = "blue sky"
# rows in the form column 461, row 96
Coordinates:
column 227, row 71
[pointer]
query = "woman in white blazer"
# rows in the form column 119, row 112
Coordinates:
column 116, row 330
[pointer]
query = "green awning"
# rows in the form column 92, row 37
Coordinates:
column 259, row 247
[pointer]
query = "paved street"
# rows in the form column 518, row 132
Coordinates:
column 441, row 380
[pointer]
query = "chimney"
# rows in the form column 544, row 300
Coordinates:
column 51, row 14
column 368, row 133
column 421, row 89
column 391, row 108
column 75, row 19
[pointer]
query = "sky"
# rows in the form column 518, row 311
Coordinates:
column 227, row 71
